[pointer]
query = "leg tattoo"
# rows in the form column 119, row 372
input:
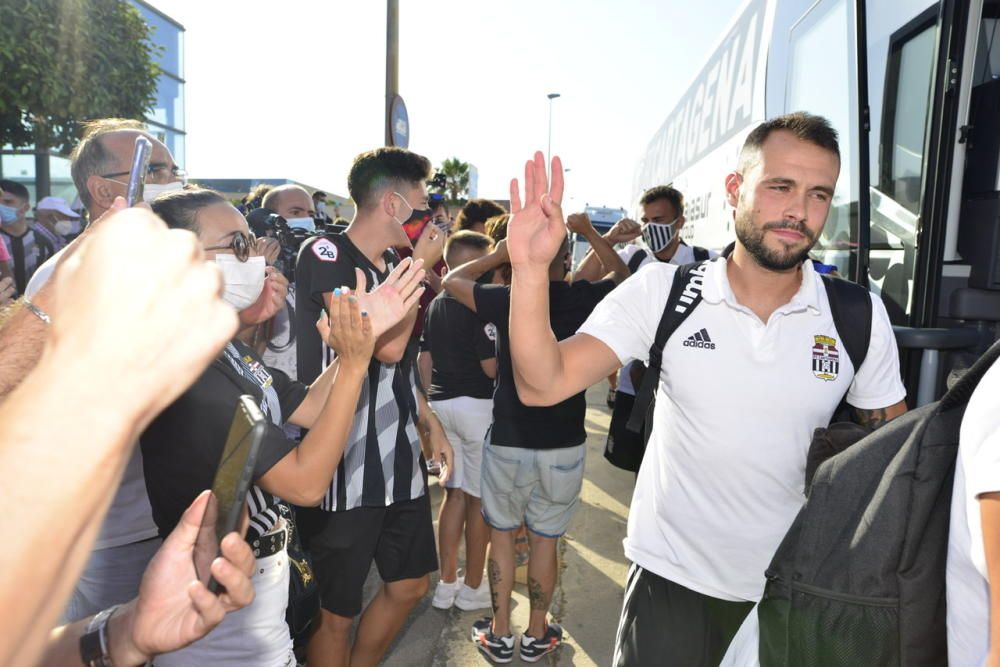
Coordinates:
column 494, row 574
column 539, row 599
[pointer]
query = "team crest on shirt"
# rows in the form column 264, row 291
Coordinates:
column 825, row 358
column 491, row 331
column 326, row 250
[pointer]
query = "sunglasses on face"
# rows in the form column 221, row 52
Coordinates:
column 241, row 245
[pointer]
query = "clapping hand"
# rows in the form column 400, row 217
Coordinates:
column 270, row 301
column 536, row 231
column 390, row 301
column 349, row 331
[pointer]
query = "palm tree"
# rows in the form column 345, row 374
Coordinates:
column 457, row 174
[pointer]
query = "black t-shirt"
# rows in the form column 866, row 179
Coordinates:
column 181, row 448
column 515, row 424
column 457, row 340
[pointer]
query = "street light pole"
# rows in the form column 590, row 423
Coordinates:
column 391, row 63
column 548, row 155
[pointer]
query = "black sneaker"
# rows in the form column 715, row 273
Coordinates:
column 532, row 649
column 496, row 648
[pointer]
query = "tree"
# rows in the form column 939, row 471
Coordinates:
column 457, row 174
column 64, row 61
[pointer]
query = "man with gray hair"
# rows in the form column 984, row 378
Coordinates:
column 128, row 539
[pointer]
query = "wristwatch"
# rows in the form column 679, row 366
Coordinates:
column 95, row 648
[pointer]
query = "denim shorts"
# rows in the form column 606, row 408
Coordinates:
column 538, row 486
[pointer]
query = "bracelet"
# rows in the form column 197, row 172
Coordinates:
column 94, row 643
column 37, row 312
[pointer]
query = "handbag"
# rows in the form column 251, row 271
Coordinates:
column 303, row 589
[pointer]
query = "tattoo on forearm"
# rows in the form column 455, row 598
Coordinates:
column 871, row 418
column 493, row 569
column 538, row 598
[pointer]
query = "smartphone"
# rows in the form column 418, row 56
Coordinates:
column 137, row 173
column 229, row 489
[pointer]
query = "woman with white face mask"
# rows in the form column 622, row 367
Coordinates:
column 182, row 446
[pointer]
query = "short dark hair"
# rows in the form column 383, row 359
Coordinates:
column 668, row 192
column 805, row 126
column 465, row 239
column 374, row 171
column 477, row 212
column 318, row 194
column 179, row 208
column 90, row 157
column 15, row 188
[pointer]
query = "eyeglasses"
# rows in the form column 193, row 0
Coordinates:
column 241, row 245
column 159, row 173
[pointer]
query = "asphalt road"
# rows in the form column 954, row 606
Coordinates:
column 591, row 583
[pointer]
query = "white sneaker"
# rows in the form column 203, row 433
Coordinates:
column 470, row 599
column 444, row 594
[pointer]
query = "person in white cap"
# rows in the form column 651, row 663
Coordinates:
column 54, row 214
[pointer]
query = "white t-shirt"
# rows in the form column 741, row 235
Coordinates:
column 977, row 471
column 736, row 407
column 129, row 518
column 683, row 255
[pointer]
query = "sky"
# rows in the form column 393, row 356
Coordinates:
column 296, row 89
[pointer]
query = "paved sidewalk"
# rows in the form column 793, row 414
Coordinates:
column 589, row 593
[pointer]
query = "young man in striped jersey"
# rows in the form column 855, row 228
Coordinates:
column 377, row 508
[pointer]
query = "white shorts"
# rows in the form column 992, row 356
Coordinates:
column 466, row 421
column 255, row 636
column 111, row 576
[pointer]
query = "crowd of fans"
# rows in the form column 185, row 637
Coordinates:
column 403, row 344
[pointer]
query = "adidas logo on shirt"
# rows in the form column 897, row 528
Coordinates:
column 700, row 339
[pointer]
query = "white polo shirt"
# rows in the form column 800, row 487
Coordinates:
column 683, row 255
column 977, row 471
column 736, row 407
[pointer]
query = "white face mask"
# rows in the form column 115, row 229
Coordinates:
column 657, row 235
column 307, row 224
column 244, row 281
column 153, row 190
column 64, row 227
column 321, row 207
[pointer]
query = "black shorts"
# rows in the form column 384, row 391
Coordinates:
column 399, row 538
column 664, row 623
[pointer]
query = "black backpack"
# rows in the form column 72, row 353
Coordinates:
column 850, row 307
column 859, row 578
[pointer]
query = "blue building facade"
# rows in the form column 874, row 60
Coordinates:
column 165, row 120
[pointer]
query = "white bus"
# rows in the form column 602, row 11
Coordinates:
column 913, row 87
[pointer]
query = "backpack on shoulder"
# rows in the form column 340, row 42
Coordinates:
column 850, row 307
column 859, row 578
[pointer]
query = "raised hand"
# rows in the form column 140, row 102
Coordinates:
column 623, row 231
column 269, row 248
column 579, row 223
column 536, row 231
column 350, row 330
column 389, row 302
column 430, row 245
column 270, row 301
column 152, row 320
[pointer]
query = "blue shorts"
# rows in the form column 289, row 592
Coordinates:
column 538, row 486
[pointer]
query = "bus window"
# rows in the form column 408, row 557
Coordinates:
column 820, row 80
column 896, row 202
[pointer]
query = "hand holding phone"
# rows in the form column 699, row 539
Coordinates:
column 229, row 490
column 137, row 173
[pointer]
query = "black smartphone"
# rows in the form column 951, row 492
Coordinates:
column 137, row 173
column 229, row 489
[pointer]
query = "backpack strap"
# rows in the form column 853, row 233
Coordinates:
column 637, row 258
column 685, row 295
column 700, row 254
column 851, row 308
